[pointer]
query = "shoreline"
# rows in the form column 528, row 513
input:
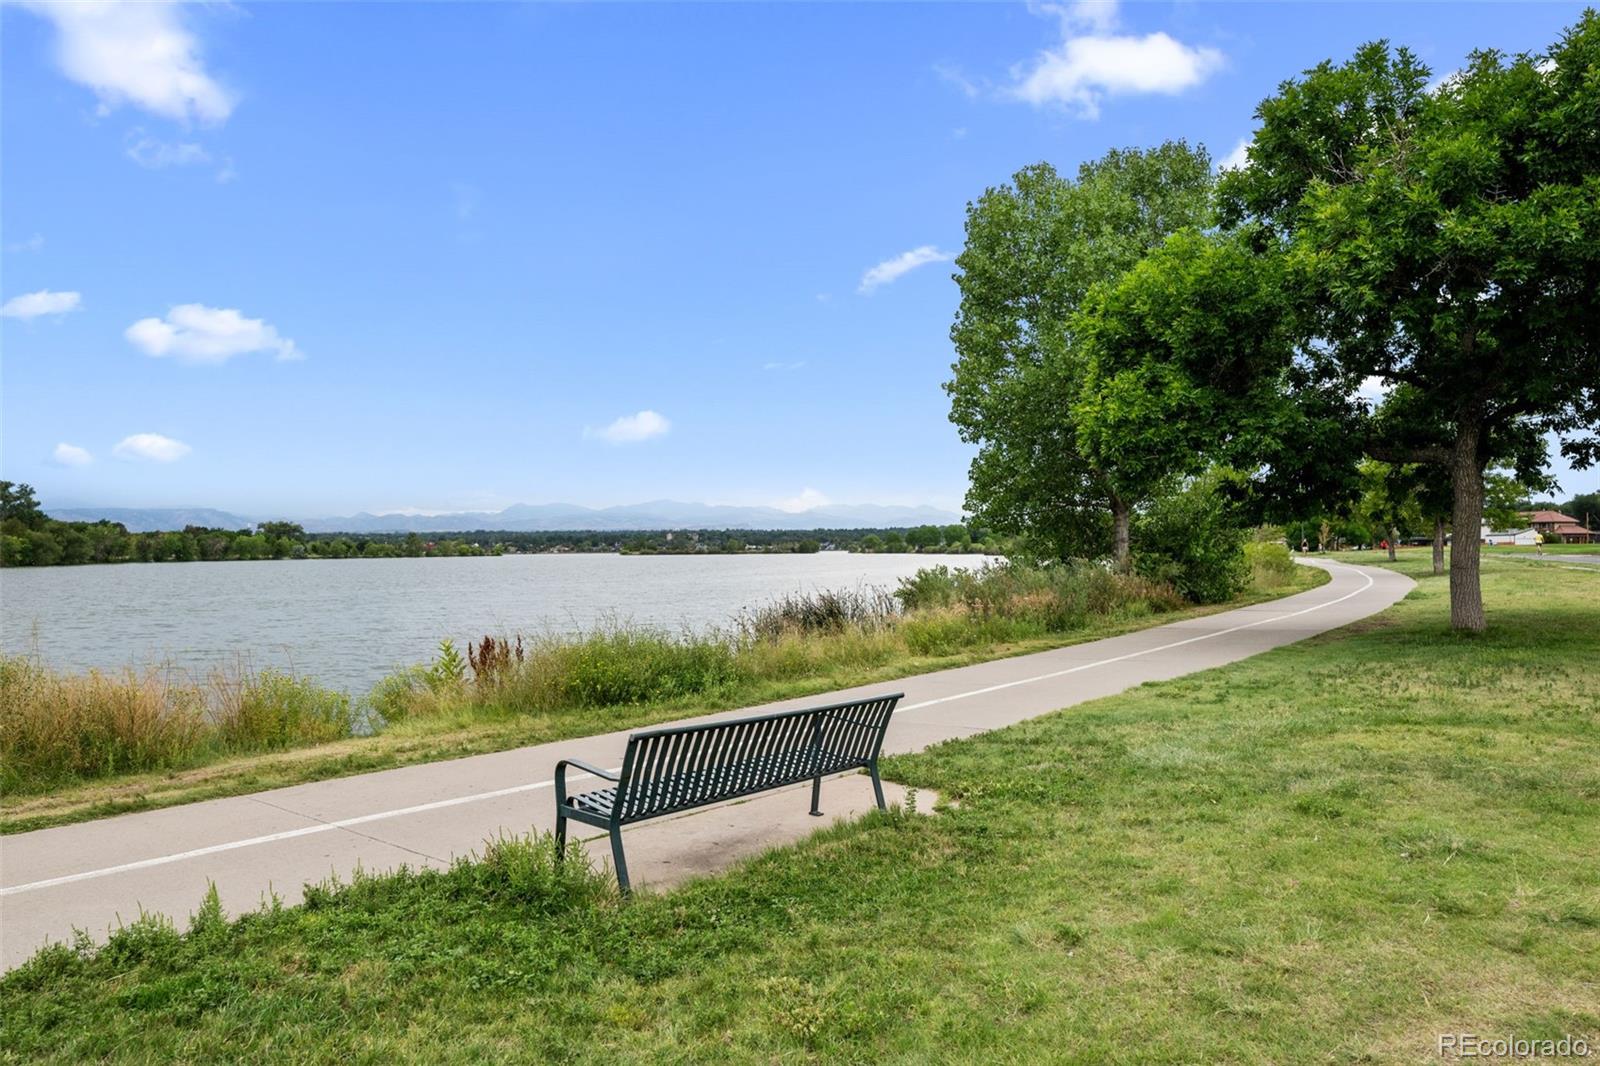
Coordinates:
column 796, row 665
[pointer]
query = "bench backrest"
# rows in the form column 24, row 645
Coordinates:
column 674, row 769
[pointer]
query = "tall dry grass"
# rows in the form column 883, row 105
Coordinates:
column 57, row 727
column 804, row 635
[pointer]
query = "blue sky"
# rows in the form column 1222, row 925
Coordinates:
column 340, row 257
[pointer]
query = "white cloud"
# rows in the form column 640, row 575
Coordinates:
column 43, row 302
column 150, row 448
column 969, row 88
column 71, row 455
column 807, row 499
column 138, row 53
column 1237, row 159
column 194, row 333
column 796, row 365
column 1089, row 66
column 904, row 263
column 155, row 154
column 32, row 244
column 1374, row 390
column 1097, row 15
column 631, row 429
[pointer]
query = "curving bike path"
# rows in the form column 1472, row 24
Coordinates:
column 94, row 875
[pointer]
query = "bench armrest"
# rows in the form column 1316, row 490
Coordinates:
column 561, row 776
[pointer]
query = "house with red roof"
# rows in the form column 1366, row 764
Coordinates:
column 1569, row 529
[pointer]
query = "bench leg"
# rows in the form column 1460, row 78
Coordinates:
column 618, row 861
column 877, row 786
column 816, row 796
column 561, row 838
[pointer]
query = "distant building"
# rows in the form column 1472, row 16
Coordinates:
column 1508, row 536
column 1564, row 526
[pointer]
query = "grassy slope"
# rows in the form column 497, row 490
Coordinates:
column 1333, row 851
column 474, row 731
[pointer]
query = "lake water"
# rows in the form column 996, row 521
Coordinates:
column 349, row 622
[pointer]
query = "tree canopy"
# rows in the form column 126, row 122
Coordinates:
column 1034, row 250
column 1444, row 242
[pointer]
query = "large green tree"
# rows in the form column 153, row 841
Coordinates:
column 1446, row 240
column 1034, row 249
column 1183, row 364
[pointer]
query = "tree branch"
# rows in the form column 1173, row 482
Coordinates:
column 1389, row 453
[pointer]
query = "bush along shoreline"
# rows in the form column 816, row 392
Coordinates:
column 60, row 731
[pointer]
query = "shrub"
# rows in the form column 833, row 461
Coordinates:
column 448, row 670
column 825, row 611
column 622, row 666
column 940, row 632
column 270, row 710
column 930, row 587
column 1053, row 598
column 1271, row 565
column 1191, row 539
column 401, row 695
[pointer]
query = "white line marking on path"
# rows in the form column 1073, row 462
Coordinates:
column 287, row 834
column 324, row 827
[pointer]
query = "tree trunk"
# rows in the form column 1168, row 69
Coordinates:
column 1466, row 518
column 1120, row 517
column 1438, row 545
column 1394, row 534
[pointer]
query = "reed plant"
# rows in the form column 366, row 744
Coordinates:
column 864, row 608
column 58, row 727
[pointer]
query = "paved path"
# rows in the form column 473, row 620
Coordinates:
column 95, row 874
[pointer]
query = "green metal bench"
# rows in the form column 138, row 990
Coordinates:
column 678, row 768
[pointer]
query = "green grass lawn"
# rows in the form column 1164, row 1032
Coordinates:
column 1549, row 549
column 1334, row 851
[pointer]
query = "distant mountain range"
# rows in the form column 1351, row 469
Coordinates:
column 525, row 517
column 151, row 519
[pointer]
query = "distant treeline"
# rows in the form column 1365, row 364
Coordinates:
column 29, row 537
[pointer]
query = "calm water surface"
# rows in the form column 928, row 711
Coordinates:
column 348, row 622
